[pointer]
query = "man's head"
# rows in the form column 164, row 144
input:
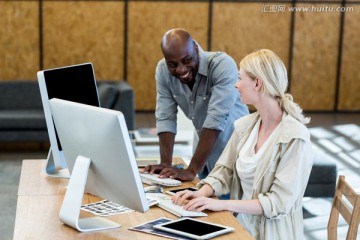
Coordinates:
column 181, row 54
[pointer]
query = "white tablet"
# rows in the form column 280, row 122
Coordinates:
column 194, row 228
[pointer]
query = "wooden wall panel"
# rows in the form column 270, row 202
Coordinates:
column 76, row 31
column 85, row 31
column 19, row 40
column 148, row 21
column 315, row 56
column 241, row 28
column 349, row 94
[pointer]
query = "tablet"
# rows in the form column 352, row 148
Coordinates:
column 194, row 228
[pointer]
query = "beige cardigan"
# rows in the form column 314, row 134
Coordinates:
column 279, row 184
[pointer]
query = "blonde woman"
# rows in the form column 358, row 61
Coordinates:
column 267, row 162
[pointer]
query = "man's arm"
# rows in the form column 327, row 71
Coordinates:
column 206, row 143
column 166, row 141
column 207, row 140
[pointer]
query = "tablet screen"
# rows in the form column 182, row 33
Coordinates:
column 194, row 228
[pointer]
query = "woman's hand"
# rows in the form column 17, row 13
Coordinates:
column 198, row 200
column 181, row 197
column 203, row 203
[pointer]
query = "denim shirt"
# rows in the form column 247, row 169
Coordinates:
column 213, row 103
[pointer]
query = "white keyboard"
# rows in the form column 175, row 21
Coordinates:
column 178, row 210
column 151, row 202
column 153, row 179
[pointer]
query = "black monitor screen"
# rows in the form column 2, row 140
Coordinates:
column 75, row 83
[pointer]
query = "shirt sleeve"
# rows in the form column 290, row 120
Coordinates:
column 166, row 106
column 223, row 75
column 291, row 177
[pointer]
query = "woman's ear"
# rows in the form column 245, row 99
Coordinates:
column 258, row 83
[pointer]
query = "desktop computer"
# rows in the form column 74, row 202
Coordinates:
column 100, row 159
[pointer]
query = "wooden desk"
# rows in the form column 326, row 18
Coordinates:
column 40, row 199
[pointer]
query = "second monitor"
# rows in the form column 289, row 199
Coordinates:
column 74, row 83
column 99, row 155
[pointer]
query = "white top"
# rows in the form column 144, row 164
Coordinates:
column 247, row 162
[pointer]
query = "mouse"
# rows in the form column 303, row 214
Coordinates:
column 153, row 189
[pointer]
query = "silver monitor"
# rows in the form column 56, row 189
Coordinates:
column 74, row 83
column 100, row 158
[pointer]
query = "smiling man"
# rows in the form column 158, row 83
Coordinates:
column 202, row 84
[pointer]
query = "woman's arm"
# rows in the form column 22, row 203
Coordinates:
column 240, row 206
column 290, row 180
column 199, row 201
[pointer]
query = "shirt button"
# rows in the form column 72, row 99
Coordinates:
column 192, row 117
column 204, row 98
column 192, row 102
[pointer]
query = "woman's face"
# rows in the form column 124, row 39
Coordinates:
column 246, row 86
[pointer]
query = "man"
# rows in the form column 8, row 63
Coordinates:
column 202, row 85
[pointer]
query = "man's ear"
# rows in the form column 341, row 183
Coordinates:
column 196, row 48
column 258, row 83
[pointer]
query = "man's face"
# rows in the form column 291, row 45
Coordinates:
column 182, row 61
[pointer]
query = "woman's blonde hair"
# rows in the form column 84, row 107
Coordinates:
column 266, row 65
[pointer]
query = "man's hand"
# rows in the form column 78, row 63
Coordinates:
column 181, row 174
column 154, row 168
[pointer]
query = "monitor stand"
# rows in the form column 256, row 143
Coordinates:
column 51, row 169
column 70, row 209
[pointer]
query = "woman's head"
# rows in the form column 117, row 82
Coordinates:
column 264, row 64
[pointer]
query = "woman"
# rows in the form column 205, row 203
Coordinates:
column 267, row 162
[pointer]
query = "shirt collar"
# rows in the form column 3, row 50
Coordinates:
column 203, row 66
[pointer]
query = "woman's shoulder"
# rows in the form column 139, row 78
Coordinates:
column 246, row 121
column 292, row 128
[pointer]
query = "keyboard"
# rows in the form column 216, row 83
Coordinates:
column 151, row 202
column 153, row 179
column 164, row 202
column 178, row 210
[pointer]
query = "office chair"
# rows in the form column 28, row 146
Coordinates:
column 352, row 216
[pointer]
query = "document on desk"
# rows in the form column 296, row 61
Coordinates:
column 105, row 208
column 148, row 228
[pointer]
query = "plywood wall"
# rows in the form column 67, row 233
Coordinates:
column 19, row 40
column 85, row 31
column 148, row 21
column 349, row 94
column 315, row 55
column 121, row 38
column 248, row 28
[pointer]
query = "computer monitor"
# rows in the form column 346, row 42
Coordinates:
column 74, row 83
column 100, row 158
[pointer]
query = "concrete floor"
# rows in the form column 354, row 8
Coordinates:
column 315, row 223
column 338, row 137
column 10, row 166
